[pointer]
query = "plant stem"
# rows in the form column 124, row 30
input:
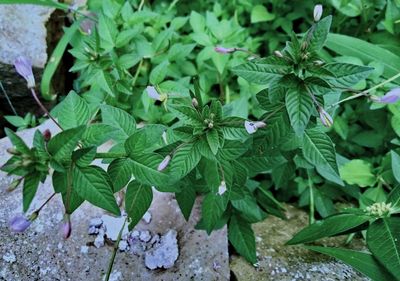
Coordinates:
column 137, row 73
column 44, row 109
column 364, row 93
column 312, row 210
column 8, row 99
column 45, row 202
column 114, row 253
column 141, row 5
column 110, row 155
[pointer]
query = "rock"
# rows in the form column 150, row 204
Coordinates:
column 99, row 241
column 147, row 217
column 96, row 222
column 123, row 246
column 145, row 236
column 164, row 253
column 10, row 258
column 113, row 225
column 197, row 250
column 286, row 263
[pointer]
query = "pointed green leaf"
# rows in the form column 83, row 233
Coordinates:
column 299, row 106
column 92, row 184
column 17, row 142
column 184, row 160
column 242, row 238
column 213, row 140
column 347, row 75
column 63, row 144
column 362, row 262
column 395, row 165
column 384, row 242
column 212, row 209
column 186, row 199
column 137, row 201
column 120, row 171
column 119, row 119
column 31, row 183
column 318, row 34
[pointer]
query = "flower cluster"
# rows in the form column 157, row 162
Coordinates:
column 380, row 209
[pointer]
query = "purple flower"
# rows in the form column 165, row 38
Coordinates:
column 317, row 12
column 24, row 68
column 326, row 119
column 223, row 50
column 19, row 223
column 391, row 97
column 66, row 227
column 153, row 94
column 164, row 163
column 251, row 127
column 47, row 135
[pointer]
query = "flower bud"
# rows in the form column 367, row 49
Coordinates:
column 164, row 163
column 19, row 223
column 278, row 54
column 318, row 62
column 222, row 188
column 47, row 135
column 304, row 45
column 66, row 227
column 24, row 68
column 223, row 50
column 317, row 12
column 195, row 103
column 390, row 97
column 13, row 151
column 326, row 119
column 14, row 184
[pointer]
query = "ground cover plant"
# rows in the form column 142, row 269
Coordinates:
column 245, row 104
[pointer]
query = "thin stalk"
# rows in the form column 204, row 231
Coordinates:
column 312, row 208
column 110, row 155
column 44, row 109
column 8, row 99
column 141, row 5
column 114, row 253
column 44, row 204
column 364, row 93
column 349, row 238
column 137, row 73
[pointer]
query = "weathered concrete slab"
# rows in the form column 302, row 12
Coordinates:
column 41, row 254
column 278, row 262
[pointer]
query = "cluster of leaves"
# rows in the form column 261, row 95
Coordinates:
column 197, row 128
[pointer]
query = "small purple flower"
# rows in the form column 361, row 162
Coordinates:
column 223, row 50
column 19, row 223
column 47, row 135
column 391, row 97
column 24, row 68
column 164, row 163
column 66, row 227
column 326, row 119
column 153, row 94
column 317, row 12
column 251, row 127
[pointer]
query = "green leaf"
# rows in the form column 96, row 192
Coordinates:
column 17, row 142
column 362, row 262
column 318, row 34
column 249, row 209
column 146, row 139
column 84, row 157
column 394, row 197
column 186, row 199
column 72, row 112
column 299, row 105
column 31, row 183
column 92, row 184
column 212, row 209
column 262, row 71
column 16, row 121
column 137, row 201
column 384, row 243
column 347, row 75
column 358, row 172
column 330, row 226
column 144, row 169
column 318, row 149
column 213, row 140
column 119, row 119
column 184, row 160
column 188, row 114
column 158, row 73
column 107, row 32
column 63, row 144
column 197, row 22
column 395, row 165
column 70, row 197
column 242, row 238
column 260, row 14
column 120, row 172
column 367, row 52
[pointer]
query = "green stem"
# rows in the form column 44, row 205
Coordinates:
column 114, row 253
column 8, row 99
column 110, row 155
column 141, row 5
column 137, row 73
column 312, row 210
column 44, row 109
column 364, row 93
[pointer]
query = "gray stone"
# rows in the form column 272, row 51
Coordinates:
column 38, row 256
column 164, row 253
